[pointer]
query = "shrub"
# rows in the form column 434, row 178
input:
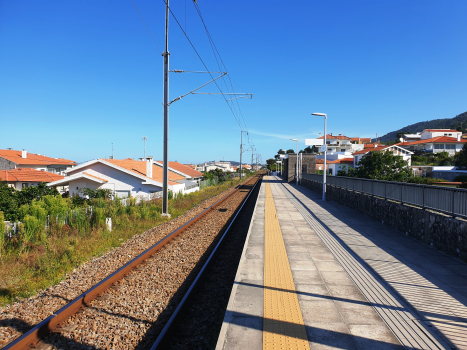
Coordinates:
column 32, row 229
column 460, row 178
column 2, row 232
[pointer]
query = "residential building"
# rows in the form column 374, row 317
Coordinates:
column 320, row 164
column 190, row 174
column 25, row 177
column 395, row 149
column 339, row 164
column 13, row 159
column 341, row 146
column 125, row 177
column 431, row 133
column 224, row 166
column 436, row 144
column 360, row 140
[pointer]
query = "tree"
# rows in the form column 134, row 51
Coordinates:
column 281, row 151
column 290, row 151
column 384, row 166
column 460, row 159
column 309, row 149
column 271, row 164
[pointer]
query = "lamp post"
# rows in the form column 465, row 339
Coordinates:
column 278, row 162
column 325, row 152
column 296, row 163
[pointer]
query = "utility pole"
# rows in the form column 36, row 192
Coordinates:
column 144, row 139
column 165, row 168
column 241, row 150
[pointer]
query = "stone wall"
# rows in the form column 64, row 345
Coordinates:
column 439, row 231
column 290, row 163
column 5, row 164
column 447, row 175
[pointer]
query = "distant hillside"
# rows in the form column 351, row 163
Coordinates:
column 448, row 123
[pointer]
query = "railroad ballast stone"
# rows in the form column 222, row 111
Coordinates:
column 18, row 318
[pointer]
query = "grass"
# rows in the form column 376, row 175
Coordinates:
column 36, row 267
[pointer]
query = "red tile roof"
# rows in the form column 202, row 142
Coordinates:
column 28, row 175
column 185, row 169
column 139, row 167
column 438, row 139
column 342, row 160
column 441, row 130
column 33, row 159
column 361, row 139
column 372, row 145
column 366, row 150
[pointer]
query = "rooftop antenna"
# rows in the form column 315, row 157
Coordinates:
column 144, row 139
column 112, row 150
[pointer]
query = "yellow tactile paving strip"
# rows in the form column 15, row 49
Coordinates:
column 283, row 326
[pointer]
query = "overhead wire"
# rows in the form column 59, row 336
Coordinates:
column 214, row 48
column 178, row 75
column 205, row 66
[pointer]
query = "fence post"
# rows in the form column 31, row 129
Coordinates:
column 402, row 202
column 423, row 198
column 452, row 194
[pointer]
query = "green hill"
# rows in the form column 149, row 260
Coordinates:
column 459, row 121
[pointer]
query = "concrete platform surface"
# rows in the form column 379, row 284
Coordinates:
column 360, row 285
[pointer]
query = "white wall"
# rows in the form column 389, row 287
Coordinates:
column 117, row 181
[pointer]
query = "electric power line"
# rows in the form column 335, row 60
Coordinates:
column 141, row 17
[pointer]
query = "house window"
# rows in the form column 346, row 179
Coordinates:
column 24, row 185
column 123, row 194
column 342, row 150
column 439, row 146
column 450, row 146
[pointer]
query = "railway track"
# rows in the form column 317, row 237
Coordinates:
column 134, row 307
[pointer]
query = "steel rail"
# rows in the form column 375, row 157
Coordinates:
column 35, row 334
column 162, row 338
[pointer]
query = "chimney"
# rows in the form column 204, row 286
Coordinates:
column 375, row 145
column 458, row 137
column 24, row 154
column 149, row 167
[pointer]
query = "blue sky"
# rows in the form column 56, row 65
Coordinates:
column 76, row 76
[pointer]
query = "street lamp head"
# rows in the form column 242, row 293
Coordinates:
column 319, row 114
column 293, row 140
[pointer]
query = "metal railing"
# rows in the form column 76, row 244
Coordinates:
column 452, row 201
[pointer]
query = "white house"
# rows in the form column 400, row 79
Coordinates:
column 338, row 146
column 437, row 144
column 396, row 150
column 184, row 170
column 25, row 177
column 12, row 159
column 430, row 133
column 126, row 177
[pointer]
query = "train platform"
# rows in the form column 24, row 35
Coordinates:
column 317, row 275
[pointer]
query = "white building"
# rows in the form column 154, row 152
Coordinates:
column 430, row 133
column 126, row 177
column 13, row 159
column 437, row 144
column 396, row 150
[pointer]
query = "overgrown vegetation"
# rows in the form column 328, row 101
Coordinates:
column 433, row 159
column 461, row 158
column 11, row 199
column 387, row 167
column 56, row 236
